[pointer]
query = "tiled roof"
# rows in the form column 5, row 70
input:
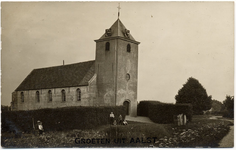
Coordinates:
column 118, row 29
column 71, row 75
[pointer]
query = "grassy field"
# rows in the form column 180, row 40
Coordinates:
column 201, row 132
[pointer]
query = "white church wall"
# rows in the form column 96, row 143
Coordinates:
column 31, row 103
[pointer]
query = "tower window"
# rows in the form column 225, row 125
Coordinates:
column 127, row 77
column 63, row 95
column 49, row 95
column 78, row 94
column 107, row 46
column 37, row 96
column 22, row 96
column 128, row 48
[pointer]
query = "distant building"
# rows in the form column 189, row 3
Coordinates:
column 109, row 80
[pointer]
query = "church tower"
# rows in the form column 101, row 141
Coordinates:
column 116, row 67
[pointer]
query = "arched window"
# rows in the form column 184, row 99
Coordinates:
column 78, row 94
column 128, row 48
column 107, row 46
column 63, row 95
column 127, row 77
column 37, row 96
column 49, row 95
column 22, row 96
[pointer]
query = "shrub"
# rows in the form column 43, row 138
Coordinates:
column 143, row 106
column 217, row 113
column 206, row 135
column 228, row 113
column 61, row 118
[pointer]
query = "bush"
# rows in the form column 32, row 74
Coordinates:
column 228, row 113
column 163, row 113
column 61, row 118
column 207, row 135
column 143, row 106
column 217, row 113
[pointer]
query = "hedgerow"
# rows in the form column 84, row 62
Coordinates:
column 143, row 107
column 164, row 113
column 60, row 118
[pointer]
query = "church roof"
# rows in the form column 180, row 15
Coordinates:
column 71, row 75
column 117, row 29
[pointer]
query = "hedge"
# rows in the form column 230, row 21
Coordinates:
column 60, row 118
column 228, row 113
column 142, row 109
column 164, row 113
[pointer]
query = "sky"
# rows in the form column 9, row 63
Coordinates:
column 178, row 40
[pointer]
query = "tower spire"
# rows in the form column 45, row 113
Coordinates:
column 119, row 10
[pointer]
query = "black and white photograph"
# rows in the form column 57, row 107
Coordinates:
column 121, row 74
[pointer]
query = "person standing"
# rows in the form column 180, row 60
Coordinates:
column 120, row 120
column 112, row 116
column 40, row 127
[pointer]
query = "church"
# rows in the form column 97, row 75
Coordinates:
column 109, row 80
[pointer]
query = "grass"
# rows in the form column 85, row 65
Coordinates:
column 133, row 135
column 67, row 139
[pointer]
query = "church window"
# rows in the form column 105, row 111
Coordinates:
column 37, row 96
column 128, row 48
column 22, row 96
column 49, row 95
column 78, row 94
column 107, row 46
column 63, row 94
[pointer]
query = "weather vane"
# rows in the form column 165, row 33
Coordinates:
column 119, row 10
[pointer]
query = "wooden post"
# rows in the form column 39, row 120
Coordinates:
column 33, row 126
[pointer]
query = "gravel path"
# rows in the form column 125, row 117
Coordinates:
column 228, row 140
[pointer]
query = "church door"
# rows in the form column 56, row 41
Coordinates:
column 126, row 104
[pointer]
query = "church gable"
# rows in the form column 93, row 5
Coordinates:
column 72, row 75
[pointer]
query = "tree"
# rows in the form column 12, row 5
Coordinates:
column 229, row 102
column 216, row 106
column 229, row 106
column 193, row 92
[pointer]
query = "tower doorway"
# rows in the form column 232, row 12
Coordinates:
column 127, row 106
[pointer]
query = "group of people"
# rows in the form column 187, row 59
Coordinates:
column 112, row 122
column 119, row 122
column 181, row 119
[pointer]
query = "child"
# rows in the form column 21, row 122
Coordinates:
column 112, row 116
column 40, row 126
column 120, row 120
column 125, row 122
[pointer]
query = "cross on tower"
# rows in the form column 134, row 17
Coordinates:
column 119, row 10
